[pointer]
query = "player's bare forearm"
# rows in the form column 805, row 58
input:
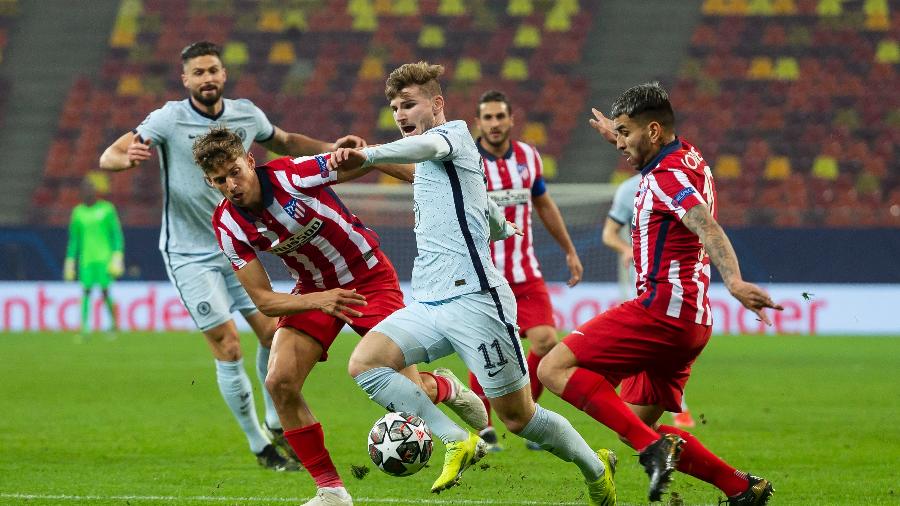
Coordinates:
column 611, row 238
column 126, row 152
column 401, row 171
column 294, row 144
column 347, row 175
column 715, row 242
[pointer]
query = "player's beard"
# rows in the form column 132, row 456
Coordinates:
column 207, row 100
column 498, row 144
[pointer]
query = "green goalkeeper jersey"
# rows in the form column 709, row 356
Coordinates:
column 94, row 233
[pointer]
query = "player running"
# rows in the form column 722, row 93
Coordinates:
column 95, row 240
column 648, row 344
column 196, row 267
column 287, row 208
column 515, row 182
column 463, row 304
column 617, row 237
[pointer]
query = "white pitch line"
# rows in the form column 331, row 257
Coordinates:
column 297, row 500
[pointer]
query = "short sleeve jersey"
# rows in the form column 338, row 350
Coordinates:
column 673, row 272
column 512, row 181
column 452, row 234
column 320, row 241
column 188, row 201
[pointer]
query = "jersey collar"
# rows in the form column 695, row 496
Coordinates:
column 207, row 116
column 664, row 152
column 486, row 155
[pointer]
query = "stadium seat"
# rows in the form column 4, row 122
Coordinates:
column 431, row 37
column 727, row 167
column 527, row 36
column 282, row 53
column 786, row 69
column 761, row 67
column 830, row 8
column 235, row 54
column 777, row 167
column 888, row 52
column 760, row 8
column 784, row 7
column 129, row 86
column 467, row 70
column 535, row 133
column 451, row 8
column 404, row 8
column 514, row 69
column 557, row 20
column 520, row 8
column 825, row 167
column 372, row 69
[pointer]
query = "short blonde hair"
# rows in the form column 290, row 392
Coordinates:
column 422, row 73
column 219, row 145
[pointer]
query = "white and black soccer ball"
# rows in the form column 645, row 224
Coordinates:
column 400, row 444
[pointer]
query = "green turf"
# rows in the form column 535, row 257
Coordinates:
column 138, row 420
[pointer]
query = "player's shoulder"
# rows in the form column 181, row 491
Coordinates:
column 223, row 207
column 527, row 148
column 240, row 104
column 682, row 156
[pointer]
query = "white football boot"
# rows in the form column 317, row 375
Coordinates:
column 464, row 402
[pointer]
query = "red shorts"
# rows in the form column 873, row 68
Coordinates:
column 533, row 303
column 649, row 354
column 383, row 297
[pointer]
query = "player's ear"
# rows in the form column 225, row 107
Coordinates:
column 251, row 160
column 437, row 104
column 184, row 80
column 654, row 130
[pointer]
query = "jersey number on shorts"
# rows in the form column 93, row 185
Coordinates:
column 501, row 360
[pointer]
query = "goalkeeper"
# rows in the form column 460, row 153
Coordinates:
column 95, row 239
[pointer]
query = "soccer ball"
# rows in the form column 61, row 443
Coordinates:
column 400, row 444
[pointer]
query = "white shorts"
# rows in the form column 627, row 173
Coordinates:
column 480, row 327
column 208, row 288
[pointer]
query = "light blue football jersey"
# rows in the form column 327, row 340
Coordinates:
column 188, row 201
column 452, row 234
column 622, row 210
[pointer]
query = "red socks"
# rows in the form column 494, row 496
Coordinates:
column 444, row 389
column 591, row 393
column 476, row 387
column 536, row 386
column 700, row 463
column 309, row 445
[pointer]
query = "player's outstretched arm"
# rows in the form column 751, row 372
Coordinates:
column 336, row 302
column 126, row 152
column 294, row 144
column 552, row 219
column 698, row 220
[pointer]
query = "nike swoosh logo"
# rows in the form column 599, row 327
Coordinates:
column 491, row 374
column 577, row 332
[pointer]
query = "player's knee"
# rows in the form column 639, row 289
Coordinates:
column 550, row 374
column 282, row 385
column 359, row 363
column 226, row 346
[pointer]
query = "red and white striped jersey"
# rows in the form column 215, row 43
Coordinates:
column 512, row 181
column 321, row 242
column 672, row 266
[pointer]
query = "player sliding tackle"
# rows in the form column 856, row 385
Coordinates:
column 463, row 304
column 287, row 208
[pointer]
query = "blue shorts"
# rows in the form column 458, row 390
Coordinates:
column 208, row 288
column 480, row 327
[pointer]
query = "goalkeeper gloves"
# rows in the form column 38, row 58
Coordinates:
column 69, row 269
column 116, row 265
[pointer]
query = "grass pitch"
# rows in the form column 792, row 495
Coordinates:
column 137, row 420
